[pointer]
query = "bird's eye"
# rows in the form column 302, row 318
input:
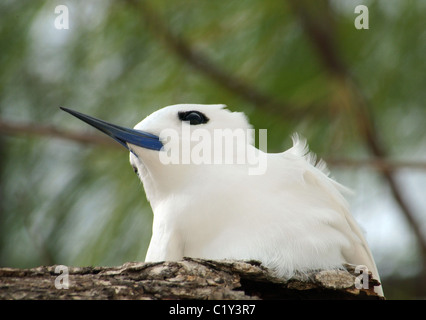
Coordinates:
column 135, row 169
column 194, row 117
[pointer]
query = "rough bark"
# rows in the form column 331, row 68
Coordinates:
column 186, row 279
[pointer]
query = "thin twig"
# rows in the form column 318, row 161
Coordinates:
column 10, row 128
column 32, row 129
column 208, row 68
column 377, row 164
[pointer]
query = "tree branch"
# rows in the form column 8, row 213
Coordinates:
column 13, row 128
column 200, row 62
column 186, row 279
column 377, row 164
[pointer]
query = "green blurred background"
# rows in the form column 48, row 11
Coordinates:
column 289, row 65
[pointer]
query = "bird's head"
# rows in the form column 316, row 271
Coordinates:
column 175, row 138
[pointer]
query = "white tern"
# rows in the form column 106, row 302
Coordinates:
column 290, row 214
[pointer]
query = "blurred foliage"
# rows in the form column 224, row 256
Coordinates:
column 66, row 203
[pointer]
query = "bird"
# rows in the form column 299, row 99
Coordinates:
column 290, row 214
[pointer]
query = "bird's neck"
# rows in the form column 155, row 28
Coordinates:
column 161, row 181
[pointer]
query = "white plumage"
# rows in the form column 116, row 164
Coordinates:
column 293, row 217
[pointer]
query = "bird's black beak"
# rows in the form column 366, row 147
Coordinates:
column 122, row 135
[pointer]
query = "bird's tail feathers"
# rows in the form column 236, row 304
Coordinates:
column 301, row 148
